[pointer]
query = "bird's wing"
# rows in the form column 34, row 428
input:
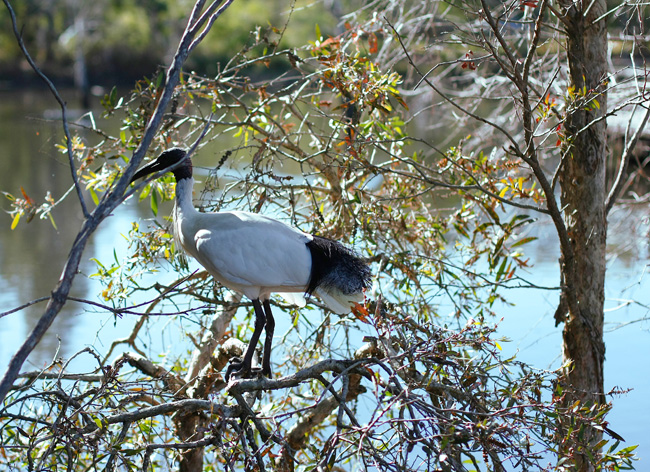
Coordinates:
column 248, row 250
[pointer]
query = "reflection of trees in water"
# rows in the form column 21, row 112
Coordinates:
column 31, row 256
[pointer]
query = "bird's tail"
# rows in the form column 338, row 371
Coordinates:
column 338, row 275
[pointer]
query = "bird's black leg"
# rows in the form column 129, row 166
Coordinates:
column 268, row 341
column 243, row 368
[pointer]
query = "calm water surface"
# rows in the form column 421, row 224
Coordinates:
column 32, row 256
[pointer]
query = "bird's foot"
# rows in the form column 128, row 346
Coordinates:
column 238, row 368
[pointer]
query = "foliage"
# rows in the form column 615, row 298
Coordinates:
column 124, row 40
column 417, row 380
column 443, row 401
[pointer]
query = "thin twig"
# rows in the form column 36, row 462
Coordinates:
column 108, row 203
column 64, row 112
column 187, row 405
column 23, row 306
column 619, row 183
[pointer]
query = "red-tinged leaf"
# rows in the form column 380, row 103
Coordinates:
column 328, row 42
column 524, row 241
column 360, row 312
column 372, row 42
column 26, row 197
column 468, row 63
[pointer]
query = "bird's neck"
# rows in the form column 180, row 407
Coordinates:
column 184, row 171
column 184, row 203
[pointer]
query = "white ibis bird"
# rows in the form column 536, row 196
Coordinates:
column 257, row 255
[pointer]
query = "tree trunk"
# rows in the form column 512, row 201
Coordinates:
column 190, row 428
column 582, row 181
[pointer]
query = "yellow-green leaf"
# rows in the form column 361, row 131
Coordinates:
column 14, row 223
column 94, row 196
column 52, row 221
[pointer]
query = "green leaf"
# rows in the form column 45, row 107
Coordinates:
column 318, row 34
column 502, row 269
column 601, row 444
column 461, row 230
column 154, row 203
column 628, row 449
column 492, row 213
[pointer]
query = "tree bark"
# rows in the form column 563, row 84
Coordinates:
column 583, row 197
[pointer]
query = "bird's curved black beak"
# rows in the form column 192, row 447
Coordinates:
column 152, row 167
column 166, row 160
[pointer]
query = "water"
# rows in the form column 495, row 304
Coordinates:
column 32, row 255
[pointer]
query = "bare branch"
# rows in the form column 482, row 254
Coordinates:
column 186, row 405
column 64, row 112
column 203, row 352
column 23, row 306
column 106, row 206
column 332, row 365
column 211, row 16
column 619, row 182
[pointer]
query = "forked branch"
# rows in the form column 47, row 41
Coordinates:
column 108, row 203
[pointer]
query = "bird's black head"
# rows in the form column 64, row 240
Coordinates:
column 167, row 159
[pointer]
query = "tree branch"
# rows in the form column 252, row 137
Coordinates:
column 64, row 111
column 108, row 203
column 332, row 365
column 619, row 183
column 186, row 405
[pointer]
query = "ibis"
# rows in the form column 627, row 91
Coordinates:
column 257, row 255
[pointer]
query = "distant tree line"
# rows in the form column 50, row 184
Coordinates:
column 110, row 42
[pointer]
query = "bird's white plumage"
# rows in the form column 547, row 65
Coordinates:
column 258, row 255
column 250, row 253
